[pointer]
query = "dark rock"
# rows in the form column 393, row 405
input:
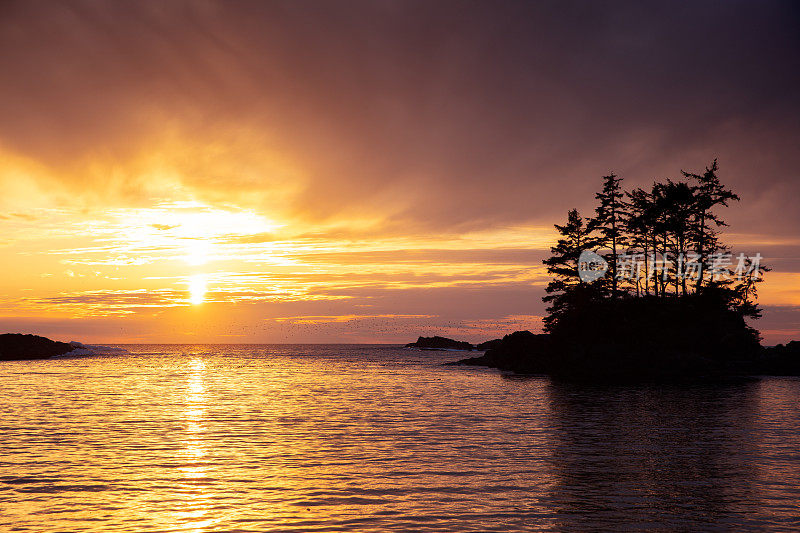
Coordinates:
column 522, row 351
column 481, row 360
column 16, row 346
column 780, row 360
column 644, row 340
column 494, row 343
column 648, row 339
column 439, row 343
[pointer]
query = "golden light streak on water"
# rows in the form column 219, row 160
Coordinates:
column 343, row 438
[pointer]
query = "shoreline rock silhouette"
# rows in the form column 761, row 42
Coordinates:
column 22, row 347
column 440, row 343
column 526, row 353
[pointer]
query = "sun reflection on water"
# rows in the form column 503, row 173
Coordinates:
column 340, row 438
column 196, row 498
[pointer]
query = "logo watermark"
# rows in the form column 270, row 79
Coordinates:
column 591, row 266
column 718, row 266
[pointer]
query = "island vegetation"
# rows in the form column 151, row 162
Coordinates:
column 645, row 289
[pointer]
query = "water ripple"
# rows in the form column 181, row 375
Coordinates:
column 338, row 438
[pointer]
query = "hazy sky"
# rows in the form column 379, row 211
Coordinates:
column 366, row 171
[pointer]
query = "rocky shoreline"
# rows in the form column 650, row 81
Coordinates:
column 523, row 352
column 21, row 347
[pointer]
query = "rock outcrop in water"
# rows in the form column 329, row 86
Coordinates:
column 696, row 337
column 17, row 346
column 780, row 360
column 524, row 352
column 439, row 343
column 486, row 345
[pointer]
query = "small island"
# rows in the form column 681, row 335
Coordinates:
column 440, row 343
column 647, row 291
column 18, row 346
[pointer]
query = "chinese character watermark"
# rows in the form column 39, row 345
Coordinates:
column 722, row 266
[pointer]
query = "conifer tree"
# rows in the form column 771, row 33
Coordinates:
column 609, row 221
column 673, row 219
column 660, row 228
column 710, row 194
column 576, row 236
column 678, row 204
column 746, row 287
column 639, row 228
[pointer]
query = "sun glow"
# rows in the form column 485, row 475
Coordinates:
column 197, row 252
column 198, row 286
column 193, row 232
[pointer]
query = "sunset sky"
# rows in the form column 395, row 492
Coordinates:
column 366, row 171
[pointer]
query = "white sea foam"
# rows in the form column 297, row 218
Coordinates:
column 105, row 349
column 91, row 349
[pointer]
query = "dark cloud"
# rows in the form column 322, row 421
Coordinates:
column 463, row 113
column 479, row 257
column 424, row 118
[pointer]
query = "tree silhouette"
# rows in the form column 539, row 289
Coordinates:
column 609, row 221
column 576, row 236
column 676, row 221
column 640, row 227
column 710, row 192
column 677, row 201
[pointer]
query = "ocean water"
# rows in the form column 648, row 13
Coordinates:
column 379, row 438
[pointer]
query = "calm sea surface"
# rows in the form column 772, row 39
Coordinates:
column 377, row 438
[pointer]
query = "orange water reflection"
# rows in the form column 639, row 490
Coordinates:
column 219, row 438
column 194, row 487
